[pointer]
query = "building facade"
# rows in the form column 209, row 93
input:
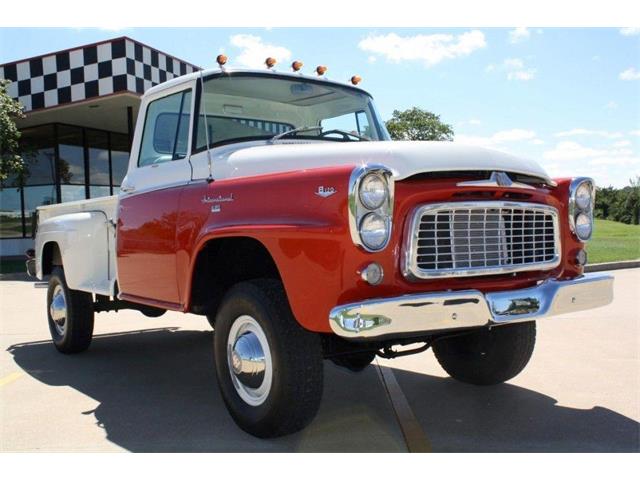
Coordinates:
column 80, row 109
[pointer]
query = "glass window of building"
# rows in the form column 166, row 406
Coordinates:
column 71, row 153
column 38, row 151
column 98, row 151
column 33, row 198
column 10, row 213
column 119, row 158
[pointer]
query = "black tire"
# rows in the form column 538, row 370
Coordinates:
column 74, row 334
column 356, row 362
column 487, row 357
column 152, row 312
column 296, row 355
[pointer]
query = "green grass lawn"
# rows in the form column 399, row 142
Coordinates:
column 614, row 241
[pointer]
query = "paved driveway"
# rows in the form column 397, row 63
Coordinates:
column 149, row 385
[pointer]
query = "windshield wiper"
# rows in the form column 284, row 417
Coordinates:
column 291, row 132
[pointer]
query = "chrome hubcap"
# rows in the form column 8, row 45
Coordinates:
column 249, row 360
column 58, row 310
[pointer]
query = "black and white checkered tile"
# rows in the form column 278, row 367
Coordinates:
column 113, row 66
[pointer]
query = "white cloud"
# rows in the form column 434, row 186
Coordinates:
column 616, row 161
column 372, row 59
column 569, row 151
column 630, row 74
column 622, row 143
column 514, row 68
column 593, row 133
column 497, row 139
column 519, row 34
column 629, row 31
column 255, row 51
column 612, row 165
column 430, row 49
column 537, row 141
column 523, row 75
column 474, row 121
column 514, row 63
column 611, row 105
column 635, row 133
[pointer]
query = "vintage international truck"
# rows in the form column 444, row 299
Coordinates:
column 276, row 205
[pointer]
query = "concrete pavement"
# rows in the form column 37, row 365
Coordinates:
column 149, row 385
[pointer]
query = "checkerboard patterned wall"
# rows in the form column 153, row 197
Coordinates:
column 113, row 66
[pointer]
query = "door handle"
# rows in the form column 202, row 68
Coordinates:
column 127, row 188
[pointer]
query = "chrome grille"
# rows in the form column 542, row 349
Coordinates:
column 482, row 238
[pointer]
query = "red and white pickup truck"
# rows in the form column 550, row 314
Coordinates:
column 276, row 205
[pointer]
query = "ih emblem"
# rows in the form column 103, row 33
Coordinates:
column 325, row 192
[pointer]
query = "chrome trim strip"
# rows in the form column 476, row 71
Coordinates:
column 357, row 211
column 441, row 311
column 573, row 208
column 412, row 272
column 497, row 179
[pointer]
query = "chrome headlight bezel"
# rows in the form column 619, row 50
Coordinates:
column 358, row 210
column 363, row 197
column 575, row 210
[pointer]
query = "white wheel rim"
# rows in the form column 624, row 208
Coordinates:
column 249, row 360
column 58, row 310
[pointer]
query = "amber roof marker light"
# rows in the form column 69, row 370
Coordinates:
column 355, row 80
column 222, row 60
column 270, row 62
column 296, row 66
column 321, row 70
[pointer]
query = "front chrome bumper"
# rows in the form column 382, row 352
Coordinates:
column 433, row 312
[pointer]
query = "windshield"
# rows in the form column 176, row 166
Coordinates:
column 244, row 107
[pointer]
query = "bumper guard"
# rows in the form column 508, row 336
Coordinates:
column 439, row 311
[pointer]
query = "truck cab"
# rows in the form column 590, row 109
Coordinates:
column 276, row 205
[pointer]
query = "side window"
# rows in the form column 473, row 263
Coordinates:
column 351, row 122
column 166, row 129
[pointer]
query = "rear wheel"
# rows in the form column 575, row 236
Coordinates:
column 269, row 368
column 487, row 357
column 70, row 315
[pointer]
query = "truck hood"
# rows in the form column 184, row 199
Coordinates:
column 404, row 158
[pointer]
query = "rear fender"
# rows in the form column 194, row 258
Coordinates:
column 85, row 242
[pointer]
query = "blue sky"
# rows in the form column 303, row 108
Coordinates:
column 569, row 98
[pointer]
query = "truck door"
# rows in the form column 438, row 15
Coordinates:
column 150, row 197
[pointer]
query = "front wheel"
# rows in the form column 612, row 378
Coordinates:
column 487, row 357
column 269, row 369
column 70, row 314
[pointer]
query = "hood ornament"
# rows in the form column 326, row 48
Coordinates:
column 497, row 179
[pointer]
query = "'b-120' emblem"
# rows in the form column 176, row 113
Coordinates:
column 325, row 192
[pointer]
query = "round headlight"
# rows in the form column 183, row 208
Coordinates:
column 373, row 231
column 583, row 196
column 373, row 191
column 583, row 226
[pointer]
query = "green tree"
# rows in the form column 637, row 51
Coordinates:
column 418, row 124
column 11, row 162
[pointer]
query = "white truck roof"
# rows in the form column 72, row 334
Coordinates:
column 266, row 73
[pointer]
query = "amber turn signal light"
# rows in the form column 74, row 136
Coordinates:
column 321, row 69
column 221, row 59
column 356, row 79
column 296, row 66
column 270, row 62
